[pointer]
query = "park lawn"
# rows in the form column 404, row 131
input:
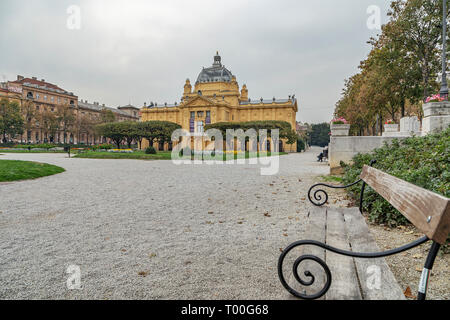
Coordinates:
column 138, row 155
column 251, row 155
column 31, row 151
column 141, row 155
column 14, row 170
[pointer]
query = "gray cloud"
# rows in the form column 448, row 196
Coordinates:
column 140, row 51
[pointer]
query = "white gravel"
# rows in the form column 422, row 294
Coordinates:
column 150, row 229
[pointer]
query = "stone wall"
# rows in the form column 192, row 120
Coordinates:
column 345, row 148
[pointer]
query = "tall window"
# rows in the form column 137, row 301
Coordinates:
column 192, row 114
column 200, row 127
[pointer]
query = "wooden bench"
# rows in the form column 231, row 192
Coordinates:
column 343, row 261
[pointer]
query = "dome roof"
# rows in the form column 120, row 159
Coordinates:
column 216, row 73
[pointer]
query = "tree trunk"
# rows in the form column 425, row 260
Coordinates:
column 402, row 106
column 425, row 73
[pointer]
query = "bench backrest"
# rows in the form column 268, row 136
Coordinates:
column 428, row 211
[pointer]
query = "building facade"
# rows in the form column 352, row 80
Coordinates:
column 44, row 104
column 217, row 97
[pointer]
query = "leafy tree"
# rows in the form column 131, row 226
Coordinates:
column 49, row 123
column 28, row 113
column 11, row 121
column 107, row 115
column 160, row 131
column 129, row 131
column 66, row 118
column 286, row 131
column 113, row 131
column 320, row 134
column 399, row 72
column 417, row 26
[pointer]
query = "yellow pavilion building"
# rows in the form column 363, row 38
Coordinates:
column 217, row 98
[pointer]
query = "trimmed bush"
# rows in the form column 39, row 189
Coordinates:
column 150, row 150
column 423, row 161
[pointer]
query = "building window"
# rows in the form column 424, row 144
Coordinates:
column 37, row 95
column 52, row 99
column 45, row 97
column 200, row 127
column 71, row 102
column 200, row 114
column 30, row 95
column 37, row 108
column 192, row 115
column 208, row 114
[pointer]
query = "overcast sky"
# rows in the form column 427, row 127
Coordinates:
column 139, row 51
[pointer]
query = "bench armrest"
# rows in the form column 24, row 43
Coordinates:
column 319, row 197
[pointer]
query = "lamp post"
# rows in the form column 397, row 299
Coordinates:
column 444, row 86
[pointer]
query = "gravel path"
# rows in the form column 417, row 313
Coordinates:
column 150, row 229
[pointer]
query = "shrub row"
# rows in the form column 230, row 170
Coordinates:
column 423, row 161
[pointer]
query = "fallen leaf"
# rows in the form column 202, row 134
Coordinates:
column 267, row 215
column 417, row 256
column 285, row 234
column 408, row 294
column 143, row 274
column 210, row 212
column 409, row 232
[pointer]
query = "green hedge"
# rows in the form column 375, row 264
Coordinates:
column 286, row 131
column 36, row 146
column 423, row 161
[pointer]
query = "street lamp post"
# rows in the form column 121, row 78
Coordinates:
column 444, row 85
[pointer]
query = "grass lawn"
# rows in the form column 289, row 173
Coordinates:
column 141, row 155
column 13, row 170
column 26, row 151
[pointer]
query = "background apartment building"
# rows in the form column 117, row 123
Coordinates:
column 54, row 115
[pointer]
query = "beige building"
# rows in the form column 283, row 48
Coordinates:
column 41, row 104
column 217, row 97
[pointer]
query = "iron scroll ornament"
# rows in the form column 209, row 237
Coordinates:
column 319, row 197
column 325, row 267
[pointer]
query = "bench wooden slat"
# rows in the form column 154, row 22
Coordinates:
column 368, row 269
column 315, row 230
column 415, row 203
column 345, row 284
